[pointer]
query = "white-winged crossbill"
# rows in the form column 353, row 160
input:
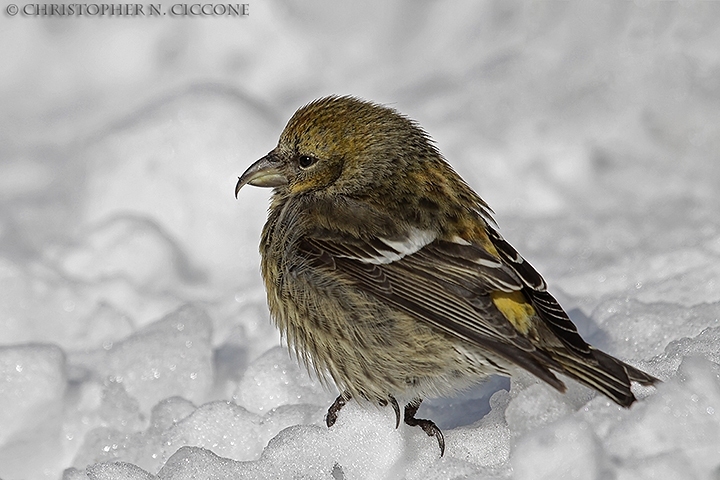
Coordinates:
column 384, row 269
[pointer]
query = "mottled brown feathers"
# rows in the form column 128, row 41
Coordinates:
column 385, row 273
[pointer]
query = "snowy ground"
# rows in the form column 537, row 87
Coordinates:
column 134, row 337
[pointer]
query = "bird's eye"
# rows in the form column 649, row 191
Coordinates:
column 305, row 161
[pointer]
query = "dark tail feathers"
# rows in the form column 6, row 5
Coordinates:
column 606, row 374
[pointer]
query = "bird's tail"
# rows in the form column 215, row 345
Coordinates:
column 606, row 374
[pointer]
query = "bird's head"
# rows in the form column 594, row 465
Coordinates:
column 340, row 145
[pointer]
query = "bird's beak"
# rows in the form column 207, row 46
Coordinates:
column 263, row 173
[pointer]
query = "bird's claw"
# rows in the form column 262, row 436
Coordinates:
column 335, row 408
column 428, row 426
column 391, row 400
column 411, row 409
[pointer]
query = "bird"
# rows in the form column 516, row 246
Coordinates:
column 386, row 274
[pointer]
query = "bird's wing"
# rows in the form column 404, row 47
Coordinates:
column 581, row 361
column 452, row 285
column 496, row 301
column 536, row 292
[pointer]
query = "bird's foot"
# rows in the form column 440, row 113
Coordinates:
column 343, row 398
column 411, row 409
column 335, row 408
column 428, row 426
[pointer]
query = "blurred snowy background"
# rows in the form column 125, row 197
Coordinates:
column 133, row 325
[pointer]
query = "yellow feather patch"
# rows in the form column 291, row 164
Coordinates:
column 516, row 309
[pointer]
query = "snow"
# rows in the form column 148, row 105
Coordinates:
column 135, row 342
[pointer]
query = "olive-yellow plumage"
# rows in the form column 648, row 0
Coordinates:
column 384, row 270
